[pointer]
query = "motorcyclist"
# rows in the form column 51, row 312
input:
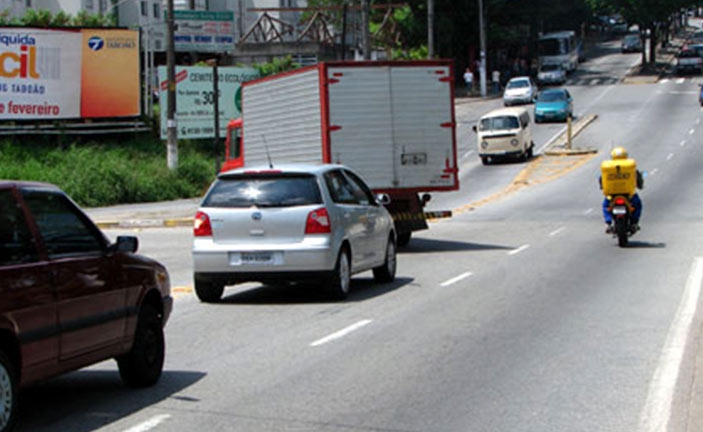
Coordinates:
column 619, row 153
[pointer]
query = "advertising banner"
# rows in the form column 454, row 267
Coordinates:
column 195, row 111
column 61, row 74
column 203, row 31
column 110, row 73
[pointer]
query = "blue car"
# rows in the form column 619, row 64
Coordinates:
column 553, row 105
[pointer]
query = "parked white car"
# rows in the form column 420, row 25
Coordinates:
column 519, row 90
column 296, row 222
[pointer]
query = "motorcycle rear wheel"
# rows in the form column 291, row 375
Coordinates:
column 621, row 231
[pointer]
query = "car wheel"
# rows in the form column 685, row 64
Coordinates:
column 209, row 292
column 340, row 280
column 531, row 150
column 386, row 272
column 404, row 238
column 484, row 160
column 142, row 365
column 8, row 393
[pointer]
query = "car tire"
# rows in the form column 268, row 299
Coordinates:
column 386, row 272
column 142, row 365
column 8, row 393
column 209, row 292
column 531, row 150
column 404, row 238
column 340, row 280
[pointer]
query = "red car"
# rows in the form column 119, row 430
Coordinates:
column 70, row 298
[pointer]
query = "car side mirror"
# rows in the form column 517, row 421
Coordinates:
column 383, row 198
column 128, row 244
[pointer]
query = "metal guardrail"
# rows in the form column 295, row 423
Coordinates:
column 86, row 128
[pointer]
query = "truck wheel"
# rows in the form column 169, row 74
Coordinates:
column 209, row 292
column 386, row 272
column 340, row 280
column 8, row 393
column 404, row 238
column 142, row 365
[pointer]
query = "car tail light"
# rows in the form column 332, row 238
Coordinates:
column 620, row 201
column 201, row 225
column 318, row 222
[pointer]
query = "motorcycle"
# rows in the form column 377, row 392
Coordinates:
column 620, row 209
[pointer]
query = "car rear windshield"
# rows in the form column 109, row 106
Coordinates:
column 499, row 123
column 551, row 97
column 518, row 84
column 270, row 190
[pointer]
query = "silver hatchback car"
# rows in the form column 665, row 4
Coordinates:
column 291, row 223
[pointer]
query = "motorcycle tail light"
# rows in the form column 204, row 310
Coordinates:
column 620, row 201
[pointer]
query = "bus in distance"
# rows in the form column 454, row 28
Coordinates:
column 561, row 48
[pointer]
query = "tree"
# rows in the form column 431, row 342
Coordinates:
column 43, row 18
column 653, row 17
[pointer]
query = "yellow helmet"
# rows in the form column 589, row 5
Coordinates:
column 618, row 153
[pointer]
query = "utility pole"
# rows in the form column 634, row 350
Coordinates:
column 365, row 37
column 482, row 34
column 430, row 29
column 172, row 127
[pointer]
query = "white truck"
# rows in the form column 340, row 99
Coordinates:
column 392, row 122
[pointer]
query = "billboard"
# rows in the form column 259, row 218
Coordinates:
column 195, row 110
column 203, row 31
column 61, row 74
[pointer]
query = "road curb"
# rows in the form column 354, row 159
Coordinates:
column 145, row 223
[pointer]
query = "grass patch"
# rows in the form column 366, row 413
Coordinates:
column 113, row 170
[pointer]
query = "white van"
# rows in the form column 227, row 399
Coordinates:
column 505, row 132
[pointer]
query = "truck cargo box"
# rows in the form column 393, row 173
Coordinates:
column 392, row 122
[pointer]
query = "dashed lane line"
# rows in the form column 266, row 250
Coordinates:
column 341, row 333
column 455, row 279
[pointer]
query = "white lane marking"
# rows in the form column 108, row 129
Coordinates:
column 657, row 410
column 682, row 143
column 551, row 140
column 654, row 171
column 456, row 279
column 341, row 333
column 587, row 109
column 556, row 231
column 149, row 424
column 518, row 250
column 589, row 211
column 680, row 80
column 692, row 131
column 467, row 154
column 664, row 81
column 671, row 156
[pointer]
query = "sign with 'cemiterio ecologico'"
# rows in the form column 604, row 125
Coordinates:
column 61, row 74
column 195, row 98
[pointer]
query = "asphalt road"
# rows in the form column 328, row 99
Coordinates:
column 518, row 315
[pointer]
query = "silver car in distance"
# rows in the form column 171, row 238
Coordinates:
column 290, row 223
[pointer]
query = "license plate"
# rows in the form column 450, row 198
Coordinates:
column 619, row 210
column 256, row 257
